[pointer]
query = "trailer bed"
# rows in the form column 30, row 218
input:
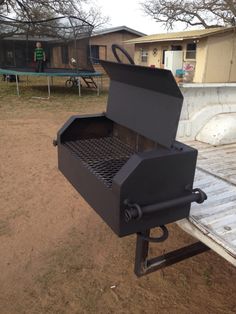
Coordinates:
column 214, row 221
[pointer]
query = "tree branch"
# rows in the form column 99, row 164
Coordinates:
column 206, row 13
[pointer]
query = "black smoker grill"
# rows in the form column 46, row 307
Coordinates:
column 125, row 162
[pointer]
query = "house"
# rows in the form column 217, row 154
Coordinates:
column 101, row 42
column 202, row 56
column 18, row 50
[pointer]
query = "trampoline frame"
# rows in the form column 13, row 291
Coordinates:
column 78, row 75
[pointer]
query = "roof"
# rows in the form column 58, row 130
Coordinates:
column 117, row 29
column 194, row 34
column 30, row 38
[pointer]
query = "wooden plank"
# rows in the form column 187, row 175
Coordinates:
column 214, row 221
column 219, row 211
column 220, row 161
column 197, row 233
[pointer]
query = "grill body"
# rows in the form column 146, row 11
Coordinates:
column 126, row 162
column 107, row 166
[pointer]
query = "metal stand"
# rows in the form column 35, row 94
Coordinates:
column 144, row 266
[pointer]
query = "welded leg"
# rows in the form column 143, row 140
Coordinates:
column 17, row 86
column 141, row 255
column 144, row 266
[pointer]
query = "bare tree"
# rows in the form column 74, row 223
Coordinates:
column 206, row 13
column 32, row 10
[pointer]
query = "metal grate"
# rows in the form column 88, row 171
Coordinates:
column 103, row 156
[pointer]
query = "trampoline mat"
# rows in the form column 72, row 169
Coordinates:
column 48, row 72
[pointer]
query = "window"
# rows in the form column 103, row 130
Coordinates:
column 94, row 54
column 64, row 55
column 191, row 51
column 144, row 55
column 176, row 48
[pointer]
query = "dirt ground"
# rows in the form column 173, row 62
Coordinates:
column 57, row 255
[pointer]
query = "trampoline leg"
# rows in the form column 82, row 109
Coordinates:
column 49, row 89
column 101, row 80
column 17, row 86
column 79, row 87
column 98, row 87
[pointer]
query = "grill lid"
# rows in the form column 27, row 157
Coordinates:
column 146, row 100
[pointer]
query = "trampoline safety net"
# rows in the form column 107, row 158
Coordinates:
column 64, row 40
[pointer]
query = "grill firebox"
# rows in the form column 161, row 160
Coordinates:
column 104, row 157
column 125, row 162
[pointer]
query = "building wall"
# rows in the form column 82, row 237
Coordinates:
column 201, row 58
column 215, row 57
column 105, row 42
column 56, row 57
column 233, row 63
column 80, row 54
column 156, row 58
column 153, row 58
column 221, row 59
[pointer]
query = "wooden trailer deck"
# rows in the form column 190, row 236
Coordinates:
column 214, row 221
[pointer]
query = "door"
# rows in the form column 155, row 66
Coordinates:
column 163, row 57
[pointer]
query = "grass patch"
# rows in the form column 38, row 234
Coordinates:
column 62, row 97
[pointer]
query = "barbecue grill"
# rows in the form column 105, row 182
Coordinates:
column 126, row 162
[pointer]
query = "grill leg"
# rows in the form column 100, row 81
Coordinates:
column 141, row 255
column 144, row 266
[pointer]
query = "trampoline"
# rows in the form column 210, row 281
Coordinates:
column 50, row 73
column 62, row 39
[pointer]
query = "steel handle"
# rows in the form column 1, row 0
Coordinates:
column 134, row 211
column 114, row 47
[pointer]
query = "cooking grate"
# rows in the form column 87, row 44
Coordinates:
column 103, row 156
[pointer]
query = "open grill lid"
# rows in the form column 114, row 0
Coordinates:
column 146, row 100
